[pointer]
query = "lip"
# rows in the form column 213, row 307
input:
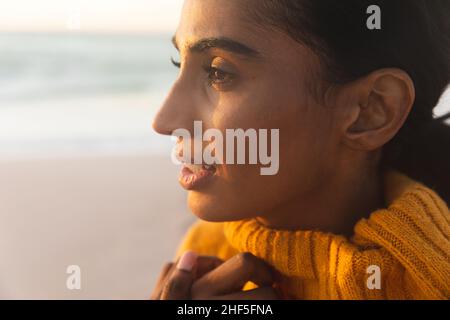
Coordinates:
column 191, row 180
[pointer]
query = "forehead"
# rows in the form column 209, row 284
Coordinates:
column 232, row 19
column 216, row 18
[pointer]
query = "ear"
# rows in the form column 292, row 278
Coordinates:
column 379, row 106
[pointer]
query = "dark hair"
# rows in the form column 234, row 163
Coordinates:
column 414, row 37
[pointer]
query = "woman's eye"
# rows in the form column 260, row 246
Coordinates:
column 218, row 77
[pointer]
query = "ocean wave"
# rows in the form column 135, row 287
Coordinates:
column 43, row 66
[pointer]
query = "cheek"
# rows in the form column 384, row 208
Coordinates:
column 241, row 191
column 305, row 142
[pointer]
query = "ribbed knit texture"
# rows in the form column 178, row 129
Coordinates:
column 409, row 241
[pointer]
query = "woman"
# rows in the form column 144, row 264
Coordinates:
column 358, row 207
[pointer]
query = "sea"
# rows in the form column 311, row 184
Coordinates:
column 65, row 93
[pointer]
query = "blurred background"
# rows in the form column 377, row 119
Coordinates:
column 83, row 179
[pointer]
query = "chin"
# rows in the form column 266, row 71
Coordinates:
column 212, row 209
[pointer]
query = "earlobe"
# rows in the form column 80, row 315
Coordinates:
column 385, row 98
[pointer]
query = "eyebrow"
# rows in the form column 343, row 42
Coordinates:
column 219, row 43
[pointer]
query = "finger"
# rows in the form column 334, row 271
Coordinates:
column 178, row 286
column 161, row 279
column 206, row 264
column 263, row 293
column 232, row 275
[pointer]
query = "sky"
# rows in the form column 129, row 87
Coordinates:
column 128, row 16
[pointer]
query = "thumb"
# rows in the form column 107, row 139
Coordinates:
column 178, row 286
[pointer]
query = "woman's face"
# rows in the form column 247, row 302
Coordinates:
column 259, row 78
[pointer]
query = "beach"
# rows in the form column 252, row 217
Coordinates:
column 117, row 216
column 84, row 181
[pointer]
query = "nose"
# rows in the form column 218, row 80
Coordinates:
column 176, row 112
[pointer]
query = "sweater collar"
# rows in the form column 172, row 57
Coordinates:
column 305, row 254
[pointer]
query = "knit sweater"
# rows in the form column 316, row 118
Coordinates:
column 409, row 241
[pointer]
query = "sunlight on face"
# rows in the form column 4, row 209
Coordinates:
column 234, row 74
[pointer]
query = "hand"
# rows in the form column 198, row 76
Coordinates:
column 209, row 278
column 174, row 273
column 227, row 280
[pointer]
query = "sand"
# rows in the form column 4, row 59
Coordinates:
column 119, row 217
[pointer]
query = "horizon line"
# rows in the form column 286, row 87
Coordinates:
column 89, row 32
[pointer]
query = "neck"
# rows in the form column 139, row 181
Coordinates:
column 335, row 206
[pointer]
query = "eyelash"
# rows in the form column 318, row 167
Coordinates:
column 214, row 74
column 211, row 72
column 175, row 63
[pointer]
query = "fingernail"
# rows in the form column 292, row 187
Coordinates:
column 187, row 261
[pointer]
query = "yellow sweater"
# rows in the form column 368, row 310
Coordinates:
column 409, row 241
